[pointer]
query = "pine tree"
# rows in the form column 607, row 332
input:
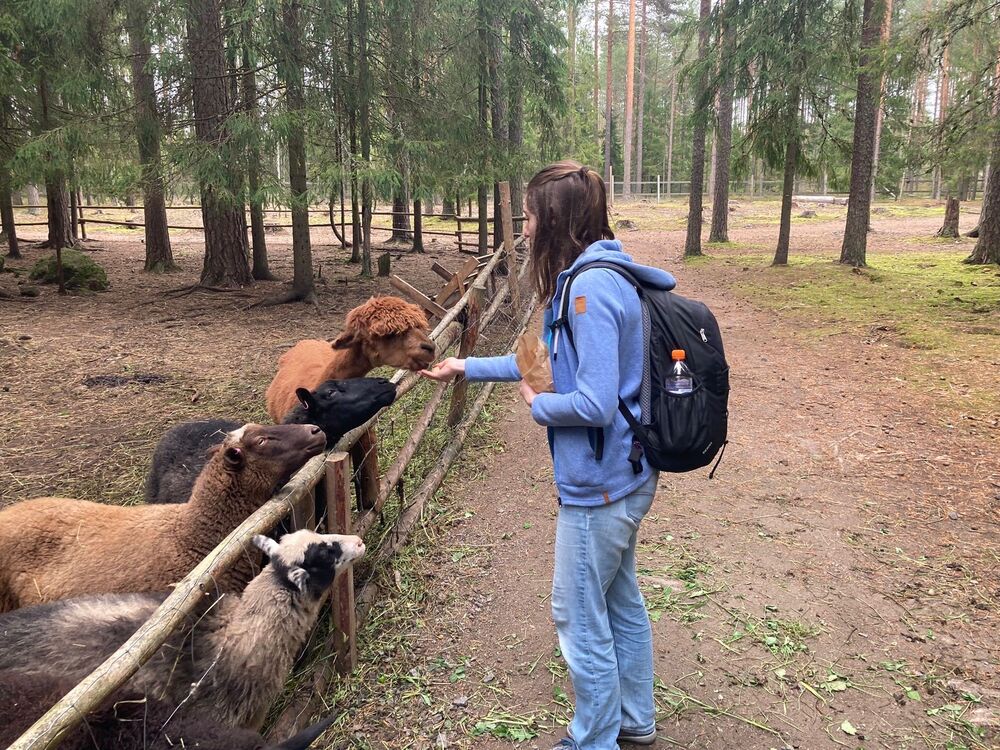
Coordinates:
column 692, row 245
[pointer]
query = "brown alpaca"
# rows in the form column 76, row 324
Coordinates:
column 382, row 331
column 53, row 548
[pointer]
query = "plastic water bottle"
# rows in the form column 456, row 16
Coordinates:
column 680, row 380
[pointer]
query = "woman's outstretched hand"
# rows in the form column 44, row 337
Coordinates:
column 445, row 370
column 527, row 392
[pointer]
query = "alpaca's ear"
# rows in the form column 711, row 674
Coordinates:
column 305, row 397
column 298, row 577
column 265, row 544
column 345, row 340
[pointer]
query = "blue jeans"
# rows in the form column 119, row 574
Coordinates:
column 604, row 631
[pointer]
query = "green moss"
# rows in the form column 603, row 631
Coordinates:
column 79, row 271
column 929, row 301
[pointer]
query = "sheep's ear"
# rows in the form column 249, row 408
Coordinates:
column 213, row 450
column 345, row 340
column 265, row 544
column 298, row 577
column 305, row 397
column 233, row 457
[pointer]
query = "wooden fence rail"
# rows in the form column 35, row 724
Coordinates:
column 318, row 492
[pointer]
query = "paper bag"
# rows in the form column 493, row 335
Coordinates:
column 532, row 356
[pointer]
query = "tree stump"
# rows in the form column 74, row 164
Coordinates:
column 384, row 264
column 950, row 227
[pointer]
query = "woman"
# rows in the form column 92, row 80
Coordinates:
column 604, row 631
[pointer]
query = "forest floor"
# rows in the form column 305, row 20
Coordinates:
column 836, row 585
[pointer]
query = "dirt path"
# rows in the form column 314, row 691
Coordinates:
column 836, row 585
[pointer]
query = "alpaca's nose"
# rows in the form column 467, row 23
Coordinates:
column 429, row 348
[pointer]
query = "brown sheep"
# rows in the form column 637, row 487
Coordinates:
column 382, row 331
column 53, row 548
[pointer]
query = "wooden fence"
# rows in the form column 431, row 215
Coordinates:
column 491, row 313
column 458, row 233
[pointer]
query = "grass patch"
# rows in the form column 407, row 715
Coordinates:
column 928, row 301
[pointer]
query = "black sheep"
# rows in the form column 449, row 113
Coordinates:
column 336, row 407
column 127, row 721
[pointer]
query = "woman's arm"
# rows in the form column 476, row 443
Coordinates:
column 597, row 315
column 475, row 369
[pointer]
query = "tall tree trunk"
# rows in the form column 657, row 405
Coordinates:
column 791, row 157
column 357, row 235
column 291, row 70
column 498, row 118
column 515, row 130
column 607, row 92
column 877, row 14
column 629, row 97
column 56, row 195
column 365, row 92
column 159, row 256
column 987, row 248
column 7, row 214
column 483, row 120
column 944, row 83
column 571, row 120
column 692, row 244
column 34, row 199
column 261, row 267
column 670, row 132
column 418, row 226
column 597, row 69
column 225, row 262
column 641, row 114
column 724, row 132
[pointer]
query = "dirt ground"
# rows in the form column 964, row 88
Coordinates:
column 836, row 584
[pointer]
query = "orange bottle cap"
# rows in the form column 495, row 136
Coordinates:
column 677, row 354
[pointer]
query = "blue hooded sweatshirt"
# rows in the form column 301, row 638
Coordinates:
column 607, row 362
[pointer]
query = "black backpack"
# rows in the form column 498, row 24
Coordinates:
column 685, row 432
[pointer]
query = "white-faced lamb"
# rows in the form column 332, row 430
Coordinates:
column 127, row 721
column 54, row 548
column 335, row 406
column 236, row 651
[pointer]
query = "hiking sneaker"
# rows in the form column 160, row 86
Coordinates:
column 566, row 743
column 623, row 736
column 637, row 739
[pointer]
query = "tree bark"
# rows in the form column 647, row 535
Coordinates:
column 788, row 184
column 515, row 130
column 877, row 14
column 159, row 256
column 261, row 268
column 987, row 248
column 724, row 132
column 951, row 214
column 597, row 69
column 483, row 121
column 418, row 226
column 225, row 262
column 944, row 82
column 498, row 118
column 400, row 219
column 365, row 92
column 56, row 197
column 629, row 96
column 692, row 244
column 670, row 133
column 571, row 119
column 641, row 114
column 357, row 235
column 34, row 199
column 7, row 214
column 607, row 92
column 291, row 69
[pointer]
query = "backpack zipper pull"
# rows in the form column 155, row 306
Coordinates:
column 703, row 336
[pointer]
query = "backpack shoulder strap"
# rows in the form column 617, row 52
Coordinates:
column 561, row 324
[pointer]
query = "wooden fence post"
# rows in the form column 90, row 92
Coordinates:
column 344, row 620
column 509, row 247
column 470, row 332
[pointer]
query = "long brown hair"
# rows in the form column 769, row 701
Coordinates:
column 570, row 205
